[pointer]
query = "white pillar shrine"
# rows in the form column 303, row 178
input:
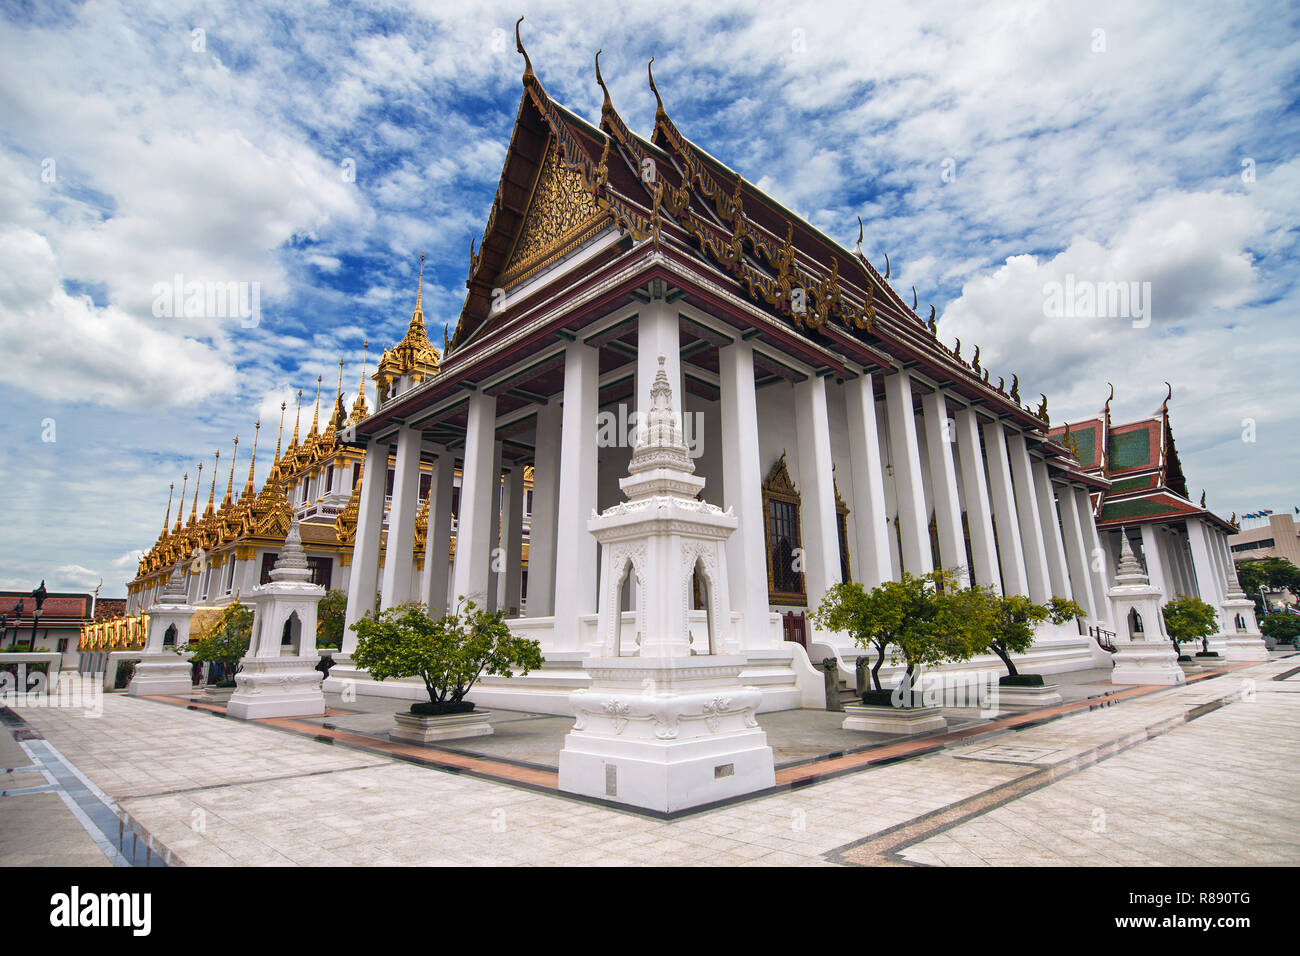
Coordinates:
column 1143, row 652
column 162, row 671
column 279, row 679
column 664, row 727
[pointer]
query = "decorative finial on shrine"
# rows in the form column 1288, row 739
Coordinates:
column 1015, row 388
column 1109, row 398
column 293, row 442
column 957, row 351
column 607, row 106
column 659, row 108
column 185, row 481
column 1001, row 382
column 249, row 490
column 1202, row 497
column 1169, row 393
column 975, row 362
column 419, row 291
column 171, row 490
column 931, row 323
column 315, row 418
column 1042, row 408
column 212, row 492
column 886, row 265
column 857, row 247
column 913, row 298
column 194, row 509
column 519, row 45
column 230, row 482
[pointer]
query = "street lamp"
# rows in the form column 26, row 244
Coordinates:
column 38, row 595
column 18, row 617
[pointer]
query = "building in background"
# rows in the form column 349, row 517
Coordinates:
column 59, row 627
column 1280, row 538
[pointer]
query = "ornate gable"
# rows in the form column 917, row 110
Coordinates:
column 561, row 213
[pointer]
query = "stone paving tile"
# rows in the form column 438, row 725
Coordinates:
column 221, row 792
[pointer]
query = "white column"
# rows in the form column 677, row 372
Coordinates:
column 401, row 520
column 1098, row 558
column 541, row 535
column 575, row 548
column 437, row 547
column 1203, row 564
column 1157, row 573
column 363, row 581
column 816, row 490
column 1027, row 515
column 870, row 520
column 913, row 523
column 979, row 515
column 512, row 523
column 1053, row 545
column 939, row 438
column 1076, row 551
column 1015, row 580
column 496, row 549
column 474, row 522
column 742, row 491
column 658, row 333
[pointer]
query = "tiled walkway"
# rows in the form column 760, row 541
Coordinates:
column 1133, row 782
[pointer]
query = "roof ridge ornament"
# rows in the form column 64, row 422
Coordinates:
column 607, row 106
column 659, row 109
column 519, row 45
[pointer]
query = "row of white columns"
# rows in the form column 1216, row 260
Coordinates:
column 1032, row 551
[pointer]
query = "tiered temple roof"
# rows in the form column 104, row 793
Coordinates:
column 1141, row 462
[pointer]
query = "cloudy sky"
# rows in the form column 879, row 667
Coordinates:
column 991, row 149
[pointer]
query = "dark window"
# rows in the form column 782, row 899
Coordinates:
column 783, row 535
column 389, row 488
column 268, row 562
column 842, row 526
column 425, row 481
column 321, row 567
column 356, row 474
column 455, row 501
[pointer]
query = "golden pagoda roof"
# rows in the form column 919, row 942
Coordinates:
column 414, row 355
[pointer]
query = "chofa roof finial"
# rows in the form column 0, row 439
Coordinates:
column 519, row 45
column 659, row 108
column 607, row 106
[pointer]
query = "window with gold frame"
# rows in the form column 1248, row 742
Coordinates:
column 784, row 536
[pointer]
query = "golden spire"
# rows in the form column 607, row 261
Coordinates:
column 315, row 417
column 176, row 530
column 249, row 490
column 230, row 482
column 293, row 442
column 419, row 291
column 216, row 459
column 359, row 410
column 171, row 489
column 280, row 433
column 194, row 509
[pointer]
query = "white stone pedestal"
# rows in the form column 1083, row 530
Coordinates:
column 1044, row 695
column 904, row 721
column 277, row 687
column 1245, row 647
column 666, row 734
column 161, row 674
column 419, row 729
column 1145, row 662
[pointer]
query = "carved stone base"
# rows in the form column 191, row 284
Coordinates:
column 161, row 674
column 1245, row 647
column 277, row 687
column 426, row 730
column 893, row 720
column 1044, row 695
column 1145, row 663
column 666, row 734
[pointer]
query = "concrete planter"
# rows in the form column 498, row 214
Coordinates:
column 418, row 729
column 1016, row 696
column 903, row 721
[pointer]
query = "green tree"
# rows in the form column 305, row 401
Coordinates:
column 1282, row 626
column 225, row 640
column 330, row 615
column 449, row 653
column 1014, row 617
column 918, row 620
column 1272, row 573
column 1188, row 618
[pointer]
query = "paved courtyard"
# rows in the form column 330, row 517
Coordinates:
column 1207, row 774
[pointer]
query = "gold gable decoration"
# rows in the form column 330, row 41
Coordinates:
column 562, row 212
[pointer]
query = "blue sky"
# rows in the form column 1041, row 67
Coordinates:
column 316, row 150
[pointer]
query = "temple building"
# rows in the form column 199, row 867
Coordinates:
column 820, row 407
column 1183, row 546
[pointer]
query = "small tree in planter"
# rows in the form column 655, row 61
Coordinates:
column 1282, row 626
column 225, row 641
column 449, row 653
column 330, row 615
column 918, row 621
column 1188, row 618
column 1012, row 631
